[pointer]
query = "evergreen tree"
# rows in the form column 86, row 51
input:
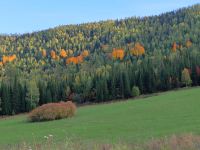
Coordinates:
column 6, row 103
column 16, row 97
column 126, row 81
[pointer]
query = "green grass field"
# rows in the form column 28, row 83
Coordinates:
column 175, row 112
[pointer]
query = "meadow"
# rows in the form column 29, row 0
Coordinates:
column 133, row 120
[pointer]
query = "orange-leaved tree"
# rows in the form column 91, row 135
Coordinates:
column 118, row 54
column 44, row 53
column 63, row 53
column 12, row 58
column 85, row 53
column 174, row 47
column 1, row 63
column 138, row 50
column 75, row 60
column 53, row 54
column 6, row 59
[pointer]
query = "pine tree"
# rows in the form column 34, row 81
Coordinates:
column 42, row 92
column 6, row 103
column 16, row 98
column 22, row 99
column 48, row 96
column 121, row 83
column 126, row 81
column 0, row 106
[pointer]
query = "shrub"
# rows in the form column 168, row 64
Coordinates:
column 135, row 91
column 52, row 111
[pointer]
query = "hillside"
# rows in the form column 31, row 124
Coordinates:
column 175, row 112
column 100, row 61
column 156, row 33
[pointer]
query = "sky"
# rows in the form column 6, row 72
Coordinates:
column 22, row 16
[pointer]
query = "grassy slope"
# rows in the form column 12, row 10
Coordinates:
column 169, row 113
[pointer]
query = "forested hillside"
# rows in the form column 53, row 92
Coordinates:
column 100, row 61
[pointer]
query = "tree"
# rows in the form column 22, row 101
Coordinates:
column 75, row 60
column 101, row 90
column 32, row 95
column 185, row 77
column 126, row 81
column 135, row 91
column 118, row 54
column 188, row 43
column 137, row 50
column 63, row 53
column 44, row 53
column 6, row 103
column 22, row 98
column 0, row 106
column 53, row 54
column 48, row 95
column 174, row 47
column 16, row 97
column 42, row 91
column 85, row 53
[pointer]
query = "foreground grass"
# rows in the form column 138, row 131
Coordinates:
column 183, row 142
column 175, row 112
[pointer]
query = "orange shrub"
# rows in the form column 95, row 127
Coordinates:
column 52, row 111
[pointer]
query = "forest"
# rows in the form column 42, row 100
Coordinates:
column 100, row 61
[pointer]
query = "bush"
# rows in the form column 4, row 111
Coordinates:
column 135, row 91
column 52, row 111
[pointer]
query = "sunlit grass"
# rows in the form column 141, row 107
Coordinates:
column 175, row 112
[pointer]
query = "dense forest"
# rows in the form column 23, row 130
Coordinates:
column 100, row 61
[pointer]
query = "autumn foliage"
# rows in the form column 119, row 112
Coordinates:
column 53, row 111
column 118, row 54
column 53, row 54
column 174, row 47
column 6, row 59
column 138, row 50
column 44, row 53
column 85, row 53
column 63, row 53
column 188, row 43
column 75, row 60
